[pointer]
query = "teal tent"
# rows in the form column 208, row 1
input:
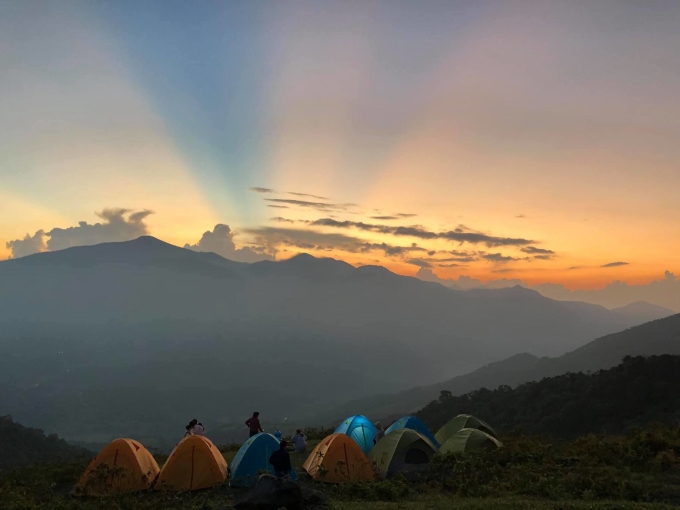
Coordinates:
column 360, row 429
column 253, row 458
column 413, row 423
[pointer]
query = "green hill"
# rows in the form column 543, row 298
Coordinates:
column 653, row 338
column 23, row 446
column 637, row 392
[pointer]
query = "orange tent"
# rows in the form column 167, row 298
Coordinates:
column 194, row 464
column 338, row 459
column 124, row 465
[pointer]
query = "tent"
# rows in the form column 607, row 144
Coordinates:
column 360, row 429
column 194, row 464
column 402, row 451
column 467, row 440
column 253, row 458
column 338, row 459
column 462, row 421
column 124, row 465
column 413, row 423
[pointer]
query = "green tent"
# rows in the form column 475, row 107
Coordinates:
column 462, row 421
column 402, row 451
column 467, row 440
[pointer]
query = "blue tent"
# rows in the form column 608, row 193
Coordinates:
column 253, row 458
column 360, row 429
column 413, row 423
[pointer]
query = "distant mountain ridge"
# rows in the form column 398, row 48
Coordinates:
column 654, row 338
column 142, row 336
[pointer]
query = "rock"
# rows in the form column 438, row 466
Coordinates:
column 313, row 499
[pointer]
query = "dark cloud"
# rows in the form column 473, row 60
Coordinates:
column 319, row 206
column 543, row 257
column 497, row 257
column 457, row 235
column 385, row 218
column 537, row 251
column 262, row 190
column 221, row 241
column 574, row 268
column 451, row 265
column 615, row 264
column 420, row 263
column 28, row 245
column 279, row 206
column 307, row 195
column 118, row 225
column 280, row 219
column 406, row 215
column 520, row 216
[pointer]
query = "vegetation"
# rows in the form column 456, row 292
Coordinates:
column 23, row 446
column 638, row 470
column 637, row 392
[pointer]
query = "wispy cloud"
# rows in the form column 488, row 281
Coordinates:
column 615, row 264
column 262, row 190
column 307, row 195
column 319, row 206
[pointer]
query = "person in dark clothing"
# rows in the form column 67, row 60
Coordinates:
column 253, row 424
column 280, row 460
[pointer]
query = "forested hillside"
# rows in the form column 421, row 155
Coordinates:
column 637, row 392
column 23, row 446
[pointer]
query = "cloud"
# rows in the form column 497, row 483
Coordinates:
column 420, row 263
column 221, row 241
column 279, row 206
column 28, row 245
column 385, row 218
column 464, row 282
column 615, row 264
column 457, row 235
column 498, row 257
column 307, row 195
column 520, row 216
column 280, row 219
column 116, row 227
column 262, row 190
column 537, row 251
column 319, row 206
column 406, row 215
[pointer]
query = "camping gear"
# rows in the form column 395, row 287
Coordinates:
column 402, row 451
column 124, row 465
column 467, row 440
column 462, row 421
column 360, row 429
column 413, row 423
column 253, row 458
column 338, row 459
column 194, row 464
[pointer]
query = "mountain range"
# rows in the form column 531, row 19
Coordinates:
column 141, row 336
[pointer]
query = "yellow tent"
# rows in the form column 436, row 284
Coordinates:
column 124, row 465
column 194, row 464
column 338, row 459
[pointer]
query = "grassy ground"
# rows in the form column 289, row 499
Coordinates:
column 434, row 502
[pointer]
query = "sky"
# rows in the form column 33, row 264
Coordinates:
column 490, row 140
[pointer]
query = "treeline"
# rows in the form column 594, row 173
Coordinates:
column 24, row 446
column 637, row 392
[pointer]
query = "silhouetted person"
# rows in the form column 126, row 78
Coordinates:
column 253, row 424
column 380, row 432
column 278, row 434
column 300, row 441
column 199, row 429
column 280, row 460
column 189, row 431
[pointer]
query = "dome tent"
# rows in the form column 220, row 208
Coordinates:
column 402, row 451
column 338, row 459
column 360, row 429
column 253, row 458
column 462, row 421
column 467, row 440
column 124, row 465
column 194, row 464
column 413, row 423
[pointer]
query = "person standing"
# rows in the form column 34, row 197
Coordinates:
column 380, row 432
column 253, row 424
column 278, row 434
column 280, row 461
column 199, row 429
